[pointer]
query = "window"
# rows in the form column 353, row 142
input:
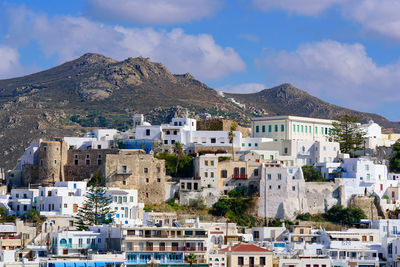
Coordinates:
column 309, row 127
column 269, row 128
column 282, row 128
column 189, row 186
column 206, row 162
column 65, row 205
column 276, row 128
column 236, row 171
column 158, row 180
column 316, row 129
column 279, row 187
column 240, row 260
column 147, row 132
column 279, row 176
column 293, row 188
column 294, row 128
column 212, row 174
column 302, row 128
column 269, row 176
column 256, row 234
column 76, row 162
column 306, row 129
column 262, row 260
column 88, row 162
column 224, row 174
column 256, row 172
column 367, row 167
column 99, row 162
column 263, row 128
column 172, row 142
column 206, row 174
column 213, row 140
column 175, row 132
column 147, row 180
column 146, row 170
column 257, row 129
column 211, row 162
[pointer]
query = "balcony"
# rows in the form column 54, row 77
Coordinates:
column 123, row 172
column 239, row 176
column 79, row 246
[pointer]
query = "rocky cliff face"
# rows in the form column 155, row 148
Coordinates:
column 96, row 91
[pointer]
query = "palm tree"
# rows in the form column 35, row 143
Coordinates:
column 232, row 135
column 191, row 258
column 178, row 149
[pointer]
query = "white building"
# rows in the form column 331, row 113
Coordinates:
column 125, row 204
column 184, row 130
column 76, row 243
column 374, row 137
column 22, row 200
column 65, row 198
column 96, row 139
column 362, row 175
column 292, row 128
column 303, row 152
column 281, row 191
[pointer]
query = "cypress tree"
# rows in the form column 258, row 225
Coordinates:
column 96, row 208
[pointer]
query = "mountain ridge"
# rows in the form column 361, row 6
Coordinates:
column 96, row 91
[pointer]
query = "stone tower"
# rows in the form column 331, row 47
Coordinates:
column 52, row 158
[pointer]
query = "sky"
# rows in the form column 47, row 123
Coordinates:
column 346, row 52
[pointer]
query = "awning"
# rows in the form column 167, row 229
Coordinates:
column 80, row 264
column 69, row 264
column 100, row 264
column 58, row 264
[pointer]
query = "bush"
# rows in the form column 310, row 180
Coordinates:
column 310, row 217
column 197, row 204
column 185, row 166
column 235, row 209
column 311, row 174
column 347, row 216
column 238, row 192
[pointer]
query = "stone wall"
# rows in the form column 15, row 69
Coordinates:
column 323, row 195
column 369, row 205
column 83, row 163
column 220, row 125
column 52, row 158
column 137, row 170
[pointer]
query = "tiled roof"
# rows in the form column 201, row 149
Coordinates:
column 245, row 248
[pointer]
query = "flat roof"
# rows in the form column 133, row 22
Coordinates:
column 295, row 118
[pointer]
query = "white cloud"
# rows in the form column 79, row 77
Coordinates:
column 376, row 16
column 70, row 37
column 244, row 88
column 303, row 7
column 152, row 11
column 10, row 65
column 339, row 71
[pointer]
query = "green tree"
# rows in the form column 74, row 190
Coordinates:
column 185, row 165
column 96, row 208
column 348, row 216
column 311, row 174
column 191, row 258
column 178, row 150
column 34, row 216
column 231, row 136
column 348, row 133
column 3, row 214
column 394, row 165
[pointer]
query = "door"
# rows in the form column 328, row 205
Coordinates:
column 251, row 261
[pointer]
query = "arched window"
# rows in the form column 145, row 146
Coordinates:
column 63, row 242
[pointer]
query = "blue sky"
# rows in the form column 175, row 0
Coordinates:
column 345, row 52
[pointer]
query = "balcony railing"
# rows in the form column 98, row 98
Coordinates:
column 167, row 249
column 124, row 172
column 239, row 176
column 79, row 246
